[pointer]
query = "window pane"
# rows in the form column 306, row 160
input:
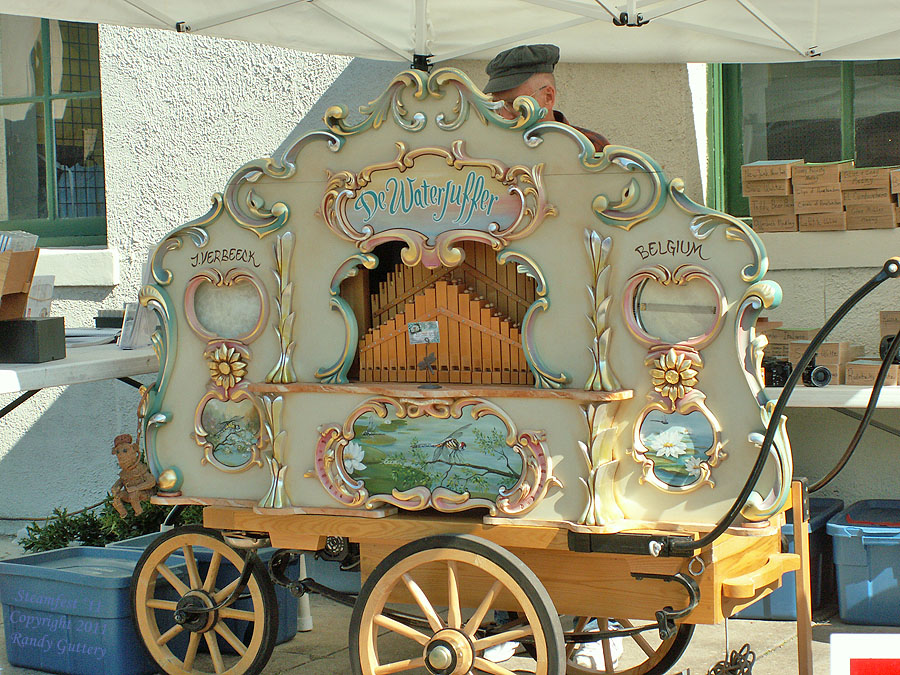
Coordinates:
column 78, row 69
column 876, row 102
column 79, row 159
column 792, row 111
column 23, row 188
column 21, row 69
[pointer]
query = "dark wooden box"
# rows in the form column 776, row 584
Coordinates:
column 32, row 340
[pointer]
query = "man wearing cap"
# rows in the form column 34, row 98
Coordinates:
column 527, row 70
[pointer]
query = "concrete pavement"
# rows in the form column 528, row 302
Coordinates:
column 323, row 651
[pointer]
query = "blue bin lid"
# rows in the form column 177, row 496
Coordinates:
column 84, row 565
column 869, row 516
column 821, row 509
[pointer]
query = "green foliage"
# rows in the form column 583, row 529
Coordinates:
column 101, row 527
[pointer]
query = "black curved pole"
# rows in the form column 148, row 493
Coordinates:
column 890, row 270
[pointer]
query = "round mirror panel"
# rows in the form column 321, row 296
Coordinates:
column 676, row 313
column 228, row 312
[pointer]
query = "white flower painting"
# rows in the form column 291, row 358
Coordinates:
column 668, row 443
column 692, row 464
column 353, row 457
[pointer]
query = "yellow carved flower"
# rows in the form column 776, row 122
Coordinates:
column 226, row 367
column 674, row 374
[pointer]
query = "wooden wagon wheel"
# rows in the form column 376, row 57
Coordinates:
column 451, row 644
column 642, row 654
column 193, row 567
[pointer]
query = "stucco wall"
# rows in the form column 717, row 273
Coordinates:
column 181, row 113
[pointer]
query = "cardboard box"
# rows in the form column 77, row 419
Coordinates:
column 819, row 198
column 863, row 372
column 889, row 321
column 782, row 223
column 828, row 354
column 771, row 206
column 767, row 187
column 777, row 349
column 789, row 335
column 871, row 216
column 895, row 181
column 819, row 174
column 16, row 272
column 768, row 169
column 864, row 179
column 873, row 196
column 822, row 222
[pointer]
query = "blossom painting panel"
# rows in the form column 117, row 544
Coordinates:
column 464, row 454
column 232, row 430
column 677, row 444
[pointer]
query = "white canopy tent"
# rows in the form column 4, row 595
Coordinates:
column 634, row 31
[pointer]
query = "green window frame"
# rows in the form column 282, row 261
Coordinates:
column 58, row 229
column 725, row 132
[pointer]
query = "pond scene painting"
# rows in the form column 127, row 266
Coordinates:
column 232, row 430
column 462, row 455
column 677, row 444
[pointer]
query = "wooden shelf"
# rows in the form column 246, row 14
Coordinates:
column 837, row 396
column 446, row 391
column 829, row 250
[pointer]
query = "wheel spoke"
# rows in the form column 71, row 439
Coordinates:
column 239, row 614
column 638, row 638
column 604, row 644
column 222, row 629
column 488, row 600
column 400, row 666
column 492, row 668
column 225, row 592
column 212, row 572
column 155, row 603
column 191, row 653
column 505, row 636
column 400, row 628
column 580, row 623
column 191, row 563
column 169, row 576
column 424, row 604
column 214, row 652
column 454, row 616
column 169, row 634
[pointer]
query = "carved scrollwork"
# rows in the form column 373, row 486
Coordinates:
column 195, row 229
column 164, row 340
column 602, row 378
column 341, row 452
column 599, row 457
column 228, row 426
column 276, row 497
column 283, row 371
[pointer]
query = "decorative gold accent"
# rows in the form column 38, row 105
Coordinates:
column 164, row 341
column 758, row 507
column 674, row 373
column 533, row 483
column 283, row 371
column 750, row 346
column 168, row 480
column 525, row 183
column 276, row 497
column 599, row 249
column 227, row 364
column 234, row 276
column 598, row 454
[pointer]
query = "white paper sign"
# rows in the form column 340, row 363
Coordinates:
column 423, row 332
column 865, row 654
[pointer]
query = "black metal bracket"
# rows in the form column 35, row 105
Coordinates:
column 625, row 20
column 656, row 545
column 666, row 617
column 422, row 62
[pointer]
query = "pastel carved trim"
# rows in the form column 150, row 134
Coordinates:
column 660, row 274
column 232, row 277
column 283, row 370
column 164, row 340
column 195, row 229
column 602, row 378
column 337, row 373
column 366, row 217
column 759, row 506
column 277, row 496
column 761, row 296
column 230, row 427
column 342, row 451
column 598, row 454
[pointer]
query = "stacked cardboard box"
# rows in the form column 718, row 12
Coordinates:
column 818, row 201
column 862, row 372
column 833, row 355
column 868, row 201
column 889, row 322
column 780, row 340
column 767, row 185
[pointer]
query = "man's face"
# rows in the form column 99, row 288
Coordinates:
column 544, row 95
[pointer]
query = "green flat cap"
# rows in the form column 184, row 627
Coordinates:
column 512, row 67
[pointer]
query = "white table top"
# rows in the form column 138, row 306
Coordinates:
column 82, row 364
column 837, row 396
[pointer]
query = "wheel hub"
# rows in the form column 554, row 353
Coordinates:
column 187, row 616
column 449, row 652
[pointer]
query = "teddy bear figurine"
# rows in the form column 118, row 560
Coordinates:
column 135, row 482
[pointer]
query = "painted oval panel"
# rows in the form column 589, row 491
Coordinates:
column 677, row 444
column 232, row 430
column 228, row 311
column 676, row 313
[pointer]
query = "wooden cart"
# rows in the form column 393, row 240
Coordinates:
column 378, row 335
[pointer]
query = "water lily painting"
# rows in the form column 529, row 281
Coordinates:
column 678, row 444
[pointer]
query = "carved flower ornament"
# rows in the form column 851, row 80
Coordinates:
column 226, row 367
column 674, row 374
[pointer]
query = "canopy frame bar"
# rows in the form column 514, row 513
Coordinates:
column 757, row 14
column 237, row 16
column 599, row 12
column 421, row 27
column 347, row 21
column 166, row 21
column 728, row 34
column 669, row 7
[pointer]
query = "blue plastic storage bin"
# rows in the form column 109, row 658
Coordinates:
column 867, row 559
column 781, row 604
column 69, row 611
column 287, row 603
